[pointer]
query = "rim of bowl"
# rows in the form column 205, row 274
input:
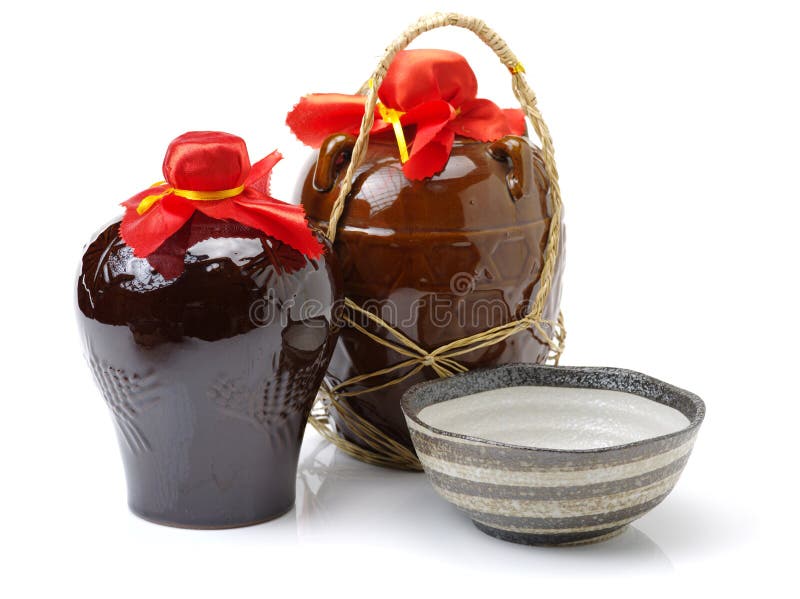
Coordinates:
column 412, row 397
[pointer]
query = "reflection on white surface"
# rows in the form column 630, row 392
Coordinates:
column 341, row 500
column 367, row 524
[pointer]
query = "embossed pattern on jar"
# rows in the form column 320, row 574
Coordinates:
column 209, row 376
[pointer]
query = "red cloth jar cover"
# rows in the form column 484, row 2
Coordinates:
column 430, row 93
column 208, row 175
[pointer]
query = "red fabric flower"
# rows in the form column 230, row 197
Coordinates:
column 209, row 173
column 432, row 92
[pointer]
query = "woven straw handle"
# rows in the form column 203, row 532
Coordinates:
column 523, row 93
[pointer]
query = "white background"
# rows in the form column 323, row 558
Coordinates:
column 677, row 131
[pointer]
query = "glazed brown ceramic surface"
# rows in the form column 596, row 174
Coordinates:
column 209, row 376
column 440, row 259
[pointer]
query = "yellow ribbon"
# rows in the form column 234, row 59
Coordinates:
column 200, row 196
column 390, row 115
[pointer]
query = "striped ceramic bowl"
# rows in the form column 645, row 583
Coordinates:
column 552, row 455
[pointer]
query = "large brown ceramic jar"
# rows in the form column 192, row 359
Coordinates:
column 209, row 376
column 439, row 259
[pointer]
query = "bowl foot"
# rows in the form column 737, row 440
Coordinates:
column 211, row 525
column 568, row 539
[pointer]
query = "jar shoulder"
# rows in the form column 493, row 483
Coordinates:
column 473, row 191
column 225, row 277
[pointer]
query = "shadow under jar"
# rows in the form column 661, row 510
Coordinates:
column 438, row 259
column 209, row 376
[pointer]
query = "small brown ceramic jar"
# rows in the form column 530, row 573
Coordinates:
column 439, row 259
column 209, row 376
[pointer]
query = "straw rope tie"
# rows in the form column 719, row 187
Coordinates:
column 383, row 450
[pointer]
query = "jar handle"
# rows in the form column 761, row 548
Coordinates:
column 333, row 152
column 516, row 152
column 524, row 95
